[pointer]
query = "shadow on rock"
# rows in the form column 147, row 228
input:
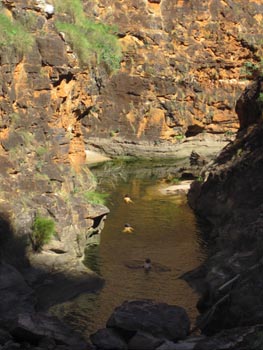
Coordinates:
column 25, row 290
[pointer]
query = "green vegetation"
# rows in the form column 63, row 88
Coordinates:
column 175, row 180
column 42, row 231
column 14, row 118
column 96, row 197
column 239, row 152
column 28, row 20
column 14, row 34
column 179, row 136
column 229, row 133
column 27, row 137
column 260, row 97
column 251, row 69
column 114, row 132
column 89, row 40
column 200, row 178
column 73, row 8
column 40, row 151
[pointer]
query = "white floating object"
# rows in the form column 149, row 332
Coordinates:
column 49, row 9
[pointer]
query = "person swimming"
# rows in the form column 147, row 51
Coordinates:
column 127, row 199
column 128, row 228
column 147, row 265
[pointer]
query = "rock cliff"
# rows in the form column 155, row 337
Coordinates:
column 230, row 200
column 184, row 63
column 41, row 139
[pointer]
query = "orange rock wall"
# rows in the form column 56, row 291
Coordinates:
column 183, row 69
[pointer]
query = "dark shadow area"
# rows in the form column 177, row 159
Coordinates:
column 26, row 290
column 92, row 260
column 204, row 228
column 193, row 130
column 12, row 250
column 97, row 221
column 57, row 288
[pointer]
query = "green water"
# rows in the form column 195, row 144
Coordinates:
column 165, row 230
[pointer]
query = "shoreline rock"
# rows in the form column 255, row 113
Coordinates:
column 207, row 145
column 182, row 187
column 142, row 324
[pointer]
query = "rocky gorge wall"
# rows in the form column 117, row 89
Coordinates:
column 41, row 146
column 230, row 282
column 184, row 64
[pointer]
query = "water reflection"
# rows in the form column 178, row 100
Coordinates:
column 92, row 258
column 165, row 230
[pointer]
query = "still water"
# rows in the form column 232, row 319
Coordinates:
column 165, row 230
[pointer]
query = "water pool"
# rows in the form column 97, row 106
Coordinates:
column 165, row 230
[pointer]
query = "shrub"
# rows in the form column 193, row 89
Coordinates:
column 252, row 70
column 96, row 197
column 260, row 97
column 87, row 38
column 40, row 151
column 29, row 20
column 42, row 231
column 13, row 33
column 73, row 8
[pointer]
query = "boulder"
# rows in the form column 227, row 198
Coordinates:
column 197, row 160
column 15, row 295
column 108, row 339
column 145, row 341
column 34, row 327
column 4, row 336
column 159, row 319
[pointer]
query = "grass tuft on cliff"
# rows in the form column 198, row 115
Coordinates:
column 13, row 33
column 90, row 40
column 96, row 197
column 42, row 231
column 72, row 8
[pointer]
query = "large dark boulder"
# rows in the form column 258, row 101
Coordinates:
column 159, row 319
column 108, row 339
column 33, row 327
column 145, row 341
column 15, row 295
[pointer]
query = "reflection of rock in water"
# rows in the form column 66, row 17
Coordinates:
column 139, row 264
column 91, row 259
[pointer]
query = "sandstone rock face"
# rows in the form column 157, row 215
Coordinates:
column 230, row 199
column 181, row 72
column 183, row 68
column 42, row 144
